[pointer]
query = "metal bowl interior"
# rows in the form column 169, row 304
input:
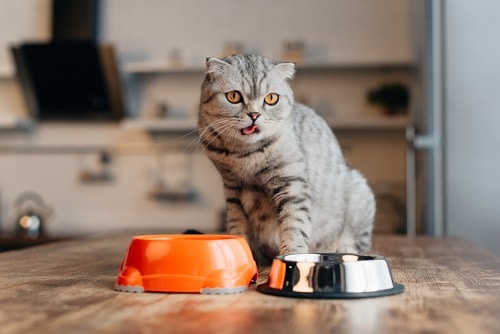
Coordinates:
column 330, row 275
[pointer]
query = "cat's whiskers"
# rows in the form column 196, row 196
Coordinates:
column 192, row 142
column 222, row 127
column 234, row 133
column 196, row 141
column 201, row 132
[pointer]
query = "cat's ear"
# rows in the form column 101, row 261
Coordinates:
column 286, row 70
column 215, row 65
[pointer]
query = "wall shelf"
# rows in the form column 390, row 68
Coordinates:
column 154, row 67
column 160, row 67
column 370, row 123
column 190, row 125
column 10, row 123
column 173, row 125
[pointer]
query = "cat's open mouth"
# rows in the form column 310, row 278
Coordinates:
column 250, row 130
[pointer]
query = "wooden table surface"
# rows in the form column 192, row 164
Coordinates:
column 452, row 286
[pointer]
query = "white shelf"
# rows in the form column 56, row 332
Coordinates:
column 370, row 123
column 190, row 125
column 8, row 122
column 162, row 125
column 154, row 67
column 339, row 65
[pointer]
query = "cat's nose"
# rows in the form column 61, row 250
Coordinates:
column 253, row 115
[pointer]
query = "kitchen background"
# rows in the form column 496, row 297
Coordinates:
column 146, row 170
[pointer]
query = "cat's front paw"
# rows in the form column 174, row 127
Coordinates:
column 263, row 274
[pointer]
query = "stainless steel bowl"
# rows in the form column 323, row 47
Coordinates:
column 330, row 275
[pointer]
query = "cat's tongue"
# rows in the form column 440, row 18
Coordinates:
column 250, row 129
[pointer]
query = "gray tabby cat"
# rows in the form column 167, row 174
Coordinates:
column 288, row 188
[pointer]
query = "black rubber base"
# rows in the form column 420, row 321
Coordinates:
column 264, row 288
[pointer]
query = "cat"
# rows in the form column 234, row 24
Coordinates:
column 287, row 185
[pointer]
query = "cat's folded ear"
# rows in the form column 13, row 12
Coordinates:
column 286, row 70
column 215, row 65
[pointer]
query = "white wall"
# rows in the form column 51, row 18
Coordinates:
column 21, row 20
column 351, row 31
column 472, row 112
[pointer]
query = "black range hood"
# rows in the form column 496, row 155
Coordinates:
column 71, row 78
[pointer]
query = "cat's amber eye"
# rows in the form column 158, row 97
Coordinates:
column 271, row 99
column 234, row 96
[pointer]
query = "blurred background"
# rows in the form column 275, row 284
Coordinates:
column 99, row 98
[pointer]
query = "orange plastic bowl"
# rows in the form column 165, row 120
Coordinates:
column 187, row 263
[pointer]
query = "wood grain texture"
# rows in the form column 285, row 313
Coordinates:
column 452, row 286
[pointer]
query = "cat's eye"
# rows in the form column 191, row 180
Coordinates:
column 271, row 99
column 234, row 96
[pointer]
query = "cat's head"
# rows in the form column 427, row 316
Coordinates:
column 245, row 98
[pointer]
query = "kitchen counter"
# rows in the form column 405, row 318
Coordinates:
column 452, row 286
column 10, row 242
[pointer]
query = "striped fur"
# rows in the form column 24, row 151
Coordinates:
column 287, row 186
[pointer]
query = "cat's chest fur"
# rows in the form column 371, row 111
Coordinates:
column 252, row 165
column 259, row 171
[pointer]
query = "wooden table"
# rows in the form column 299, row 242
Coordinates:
column 452, row 286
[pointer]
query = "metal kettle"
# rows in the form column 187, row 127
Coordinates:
column 31, row 215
